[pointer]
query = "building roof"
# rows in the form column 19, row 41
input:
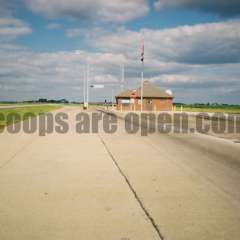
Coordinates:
column 149, row 91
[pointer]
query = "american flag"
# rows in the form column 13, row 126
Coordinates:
column 142, row 51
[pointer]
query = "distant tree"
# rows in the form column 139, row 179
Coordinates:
column 63, row 101
column 43, row 100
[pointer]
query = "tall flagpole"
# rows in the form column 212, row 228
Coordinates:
column 112, row 97
column 123, row 77
column 142, row 77
column 84, row 86
column 142, row 87
column 87, row 85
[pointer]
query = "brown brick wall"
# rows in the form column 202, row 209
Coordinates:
column 157, row 105
column 162, row 104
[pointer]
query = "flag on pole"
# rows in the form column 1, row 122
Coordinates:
column 97, row 86
column 142, row 51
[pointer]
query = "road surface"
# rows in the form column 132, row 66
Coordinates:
column 118, row 186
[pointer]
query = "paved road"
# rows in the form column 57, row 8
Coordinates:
column 120, row 186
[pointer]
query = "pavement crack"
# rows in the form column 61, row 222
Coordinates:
column 16, row 153
column 148, row 215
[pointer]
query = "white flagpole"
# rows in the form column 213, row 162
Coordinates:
column 84, row 86
column 142, row 77
column 87, row 85
column 112, row 97
column 142, row 87
column 123, row 77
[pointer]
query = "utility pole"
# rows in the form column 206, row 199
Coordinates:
column 123, row 77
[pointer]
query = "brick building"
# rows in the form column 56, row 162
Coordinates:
column 154, row 99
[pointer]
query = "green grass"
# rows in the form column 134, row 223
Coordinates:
column 210, row 110
column 17, row 103
column 22, row 111
column 8, row 104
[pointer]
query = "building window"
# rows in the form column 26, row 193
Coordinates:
column 125, row 101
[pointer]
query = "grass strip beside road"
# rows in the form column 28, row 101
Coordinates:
column 210, row 110
column 24, row 113
column 8, row 104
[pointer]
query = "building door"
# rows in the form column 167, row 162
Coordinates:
column 149, row 106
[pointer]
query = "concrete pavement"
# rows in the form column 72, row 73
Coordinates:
column 101, row 186
column 188, row 183
column 65, row 187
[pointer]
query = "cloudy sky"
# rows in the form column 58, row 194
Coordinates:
column 191, row 47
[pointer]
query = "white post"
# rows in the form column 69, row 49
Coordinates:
column 142, row 80
column 142, row 87
column 87, row 85
column 123, row 77
column 112, row 99
column 84, row 86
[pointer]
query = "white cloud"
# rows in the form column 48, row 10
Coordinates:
column 25, row 74
column 205, row 83
column 10, row 28
column 104, row 10
column 221, row 7
column 199, row 44
column 28, row 75
column 190, row 60
column 108, row 78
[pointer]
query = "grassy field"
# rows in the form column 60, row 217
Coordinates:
column 17, row 104
column 233, row 110
column 8, row 104
column 22, row 111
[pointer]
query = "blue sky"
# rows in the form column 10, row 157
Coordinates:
column 191, row 47
column 42, row 39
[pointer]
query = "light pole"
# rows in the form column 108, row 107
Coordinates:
column 85, row 83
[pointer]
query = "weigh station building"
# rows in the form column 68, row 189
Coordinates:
column 154, row 99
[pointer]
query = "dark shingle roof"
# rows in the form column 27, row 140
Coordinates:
column 149, row 91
